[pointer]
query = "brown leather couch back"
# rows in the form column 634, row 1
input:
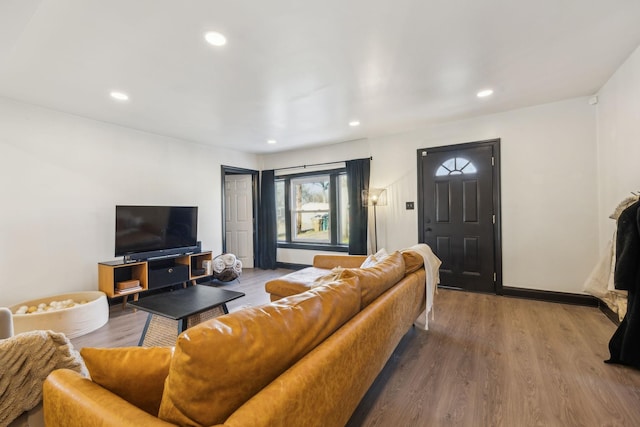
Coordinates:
column 374, row 281
column 220, row 364
column 345, row 261
column 412, row 261
column 325, row 387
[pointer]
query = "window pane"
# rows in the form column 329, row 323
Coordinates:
column 280, row 211
column 343, row 210
column 470, row 169
column 456, row 166
column 442, row 171
column 310, row 209
column 450, row 164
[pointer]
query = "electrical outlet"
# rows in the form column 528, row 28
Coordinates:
column 409, row 206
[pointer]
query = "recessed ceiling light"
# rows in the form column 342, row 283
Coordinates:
column 120, row 96
column 484, row 93
column 353, row 123
column 271, row 141
column 215, row 39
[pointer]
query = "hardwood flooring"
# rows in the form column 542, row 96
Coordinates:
column 486, row 361
column 125, row 325
column 497, row 361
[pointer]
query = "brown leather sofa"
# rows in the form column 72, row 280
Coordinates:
column 304, row 360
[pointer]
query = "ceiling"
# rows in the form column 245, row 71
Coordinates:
column 299, row 71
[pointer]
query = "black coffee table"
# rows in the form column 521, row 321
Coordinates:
column 171, row 313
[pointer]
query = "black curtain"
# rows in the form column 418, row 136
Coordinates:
column 357, row 180
column 267, row 226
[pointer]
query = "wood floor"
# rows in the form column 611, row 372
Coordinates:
column 125, row 325
column 499, row 361
column 486, row 361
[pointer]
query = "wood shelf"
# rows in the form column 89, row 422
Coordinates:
column 129, row 291
column 110, row 273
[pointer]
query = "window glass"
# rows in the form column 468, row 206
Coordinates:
column 343, row 210
column 310, row 209
column 281, row 211
column 313, row 209
column 456, row 166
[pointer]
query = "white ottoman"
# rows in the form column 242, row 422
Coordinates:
column 73, row 321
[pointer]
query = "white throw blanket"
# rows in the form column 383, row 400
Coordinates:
column 227, row 261
column 25, row 361
column 432, row 267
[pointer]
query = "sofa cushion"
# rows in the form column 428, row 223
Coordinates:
column 377, row 279
column 296, row 282
column 221, row 363
column 412, row 261
column 136, row 374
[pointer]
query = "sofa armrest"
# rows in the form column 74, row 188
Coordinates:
column 344, row 261
column 71, row 400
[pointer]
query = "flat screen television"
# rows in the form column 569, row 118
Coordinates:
column 155, row 228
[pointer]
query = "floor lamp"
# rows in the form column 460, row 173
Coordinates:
column 374, row 197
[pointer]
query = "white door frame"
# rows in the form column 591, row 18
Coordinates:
column 230, row 170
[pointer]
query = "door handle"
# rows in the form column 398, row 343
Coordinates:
column 428, row 229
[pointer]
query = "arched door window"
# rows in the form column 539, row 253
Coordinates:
column 456, row 166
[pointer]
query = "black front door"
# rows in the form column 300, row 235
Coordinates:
column 458, row 213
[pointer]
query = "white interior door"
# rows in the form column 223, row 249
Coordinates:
column 239, row 217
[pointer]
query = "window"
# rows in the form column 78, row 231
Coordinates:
column 456, row 166
column 312, row 210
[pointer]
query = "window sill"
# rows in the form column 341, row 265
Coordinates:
column 313, row 247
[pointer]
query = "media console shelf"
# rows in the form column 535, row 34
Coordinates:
column 121, row 279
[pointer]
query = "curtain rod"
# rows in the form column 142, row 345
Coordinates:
column 318, row 164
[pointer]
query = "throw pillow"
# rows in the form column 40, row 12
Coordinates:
column 369, row 262
column 373, row 259
column 136, row 374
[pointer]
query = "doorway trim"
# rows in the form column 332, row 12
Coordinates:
column 497, row 228
column 255, row 177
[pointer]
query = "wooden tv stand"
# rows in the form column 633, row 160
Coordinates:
column 151, row 274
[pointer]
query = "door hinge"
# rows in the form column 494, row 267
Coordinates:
column 493, row 161
column 495, row 277
column 494, row 218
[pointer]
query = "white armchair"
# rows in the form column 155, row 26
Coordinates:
column 27, row 359
column 6, row 323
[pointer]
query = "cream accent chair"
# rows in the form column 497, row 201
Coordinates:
column 6, row 323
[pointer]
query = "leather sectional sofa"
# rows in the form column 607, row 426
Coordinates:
column 303, row 360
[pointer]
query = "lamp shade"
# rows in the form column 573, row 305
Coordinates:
column 374, row 197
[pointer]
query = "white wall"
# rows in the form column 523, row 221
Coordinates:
column 618, row 119
column 549, row 224
column 62, row 175
column 60, row 179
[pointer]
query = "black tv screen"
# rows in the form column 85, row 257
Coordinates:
column 155, row 228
